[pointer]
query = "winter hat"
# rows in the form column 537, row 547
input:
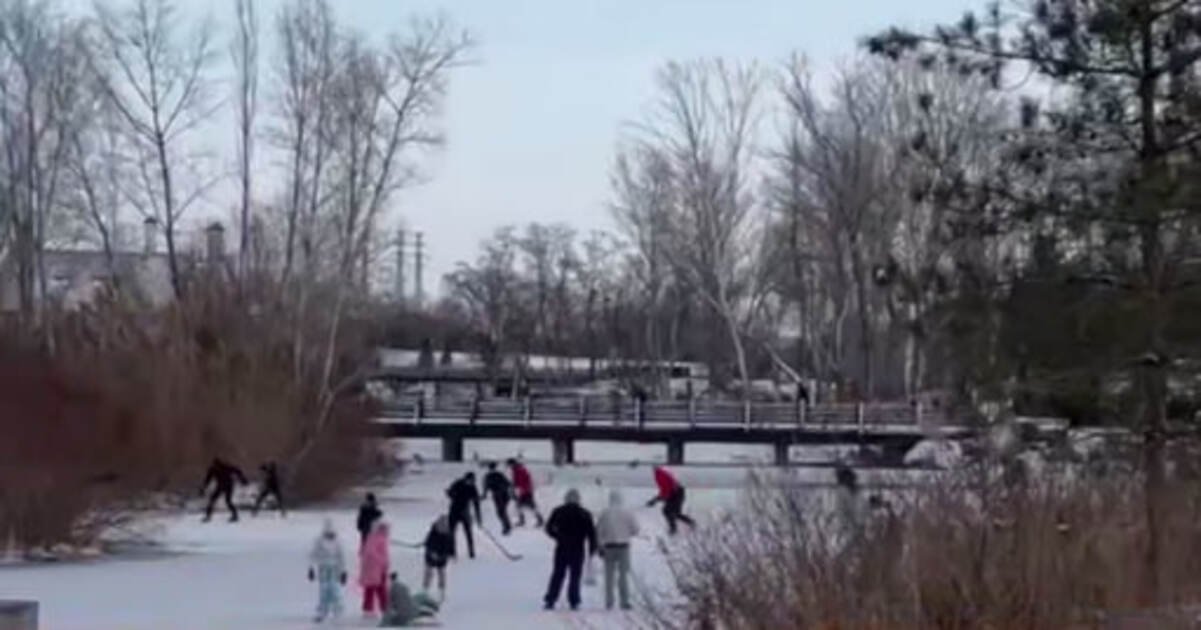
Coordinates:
column 327, row 527
column 615, row 498
column 573, row 496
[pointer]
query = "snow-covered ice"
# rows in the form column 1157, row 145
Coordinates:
column 251, row 575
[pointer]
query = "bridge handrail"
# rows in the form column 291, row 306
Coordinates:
column 586, row 410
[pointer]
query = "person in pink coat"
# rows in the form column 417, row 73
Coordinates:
column 373, row 569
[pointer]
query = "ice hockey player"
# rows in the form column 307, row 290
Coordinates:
column 270, row 488
column 463, row 496
column 327, row 565
column 671, row 494
column 497, row 484
column 222, row 476
column 523, row 484
column 405, row 608
column 571, row 526
column 439, row 547
column 373, row 569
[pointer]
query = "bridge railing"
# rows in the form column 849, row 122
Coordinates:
column 604, row 410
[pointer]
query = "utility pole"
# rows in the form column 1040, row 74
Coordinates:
column 419, row 246
column 400, row 266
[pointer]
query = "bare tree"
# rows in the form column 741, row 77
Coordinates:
column 244, row 52
column 703, row 129
column 156, row 80
column 840, row 158
column 39, row 94
column 307, row 38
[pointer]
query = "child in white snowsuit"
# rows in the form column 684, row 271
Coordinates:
column 327, row 566
column 405, row 608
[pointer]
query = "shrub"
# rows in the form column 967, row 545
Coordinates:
column 963, row 553
column 132, row 403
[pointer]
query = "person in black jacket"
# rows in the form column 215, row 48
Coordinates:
column 270, row 488
column 463, row 496
column 221, row 476
column 439, row 547
column 369, row 513
column 572, row 528
column 498, row 485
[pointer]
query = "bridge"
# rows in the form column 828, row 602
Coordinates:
column 895, row 427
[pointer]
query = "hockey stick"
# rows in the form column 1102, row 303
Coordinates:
column 401, row 543
column 496, row 543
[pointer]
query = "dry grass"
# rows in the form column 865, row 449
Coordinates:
column 132, row 404
column 968, row 552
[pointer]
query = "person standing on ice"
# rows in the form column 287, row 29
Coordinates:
column 222, row 476
column 439, row 547
column 615, row 528
column 327, row 566
column 463, row 496
column 373, row 569
column 404, row 608
column 369, row 513
column 497, row 484
column 671, row 493
column 571, row 526
column 270, row 488
column 523, row 483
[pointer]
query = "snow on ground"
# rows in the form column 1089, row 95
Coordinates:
column 251, row 575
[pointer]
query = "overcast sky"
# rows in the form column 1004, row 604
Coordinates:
column 533, row 126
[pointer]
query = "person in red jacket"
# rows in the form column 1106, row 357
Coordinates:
column 671, row 493
column 523, row 488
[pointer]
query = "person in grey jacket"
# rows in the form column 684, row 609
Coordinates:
column 615, row 528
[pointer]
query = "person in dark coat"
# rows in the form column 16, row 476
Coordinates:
column 572, row 528
column 369, row 513
column 463, row 496
column 439, row 547
column 221, row 476
column 270, row 488
column 497, row 484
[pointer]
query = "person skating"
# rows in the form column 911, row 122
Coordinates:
column 463, row 497
column 615, row 528
column 497, row 484
column 571, row 526
column 404, row 608
column 523, row 484
column 270, row 488
column 373, row 569
column 327, row 566
column 671, row 493
column 439, row 547
column 369, row 513
column 221, row 476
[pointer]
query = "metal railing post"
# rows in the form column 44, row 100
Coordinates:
column 917, row 412
column 418, row 410
column 528, row 411
column 746, row 414
column 859, row 417
column 583, row 410
column 639, row 413
column 692, row 412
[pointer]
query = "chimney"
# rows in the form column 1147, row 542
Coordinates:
column 215, row 240
column 149, row 235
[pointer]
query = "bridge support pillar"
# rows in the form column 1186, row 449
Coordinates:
column 452, row 449
column 781, row 453
column 675, row 453
column 564, row 451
